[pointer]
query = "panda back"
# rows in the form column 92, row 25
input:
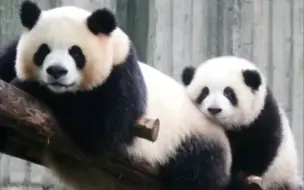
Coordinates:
column 179, row 119
column 284, row 168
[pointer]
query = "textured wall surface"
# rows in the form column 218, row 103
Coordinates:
column 169, row 34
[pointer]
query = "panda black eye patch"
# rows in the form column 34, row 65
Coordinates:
column 204, row 93
column 230, row 94
column 40, row 54
column 78, row 56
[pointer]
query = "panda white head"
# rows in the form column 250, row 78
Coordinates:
column 67, row 48
column 227, row 89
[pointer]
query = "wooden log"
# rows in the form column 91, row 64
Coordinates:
column 27, row 127
column 29, row 122
column 21, row 107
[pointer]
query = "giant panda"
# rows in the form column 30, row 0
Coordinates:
column 232, row 91
column 85, row 69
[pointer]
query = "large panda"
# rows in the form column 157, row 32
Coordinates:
column 233, row 92
column 85, row 69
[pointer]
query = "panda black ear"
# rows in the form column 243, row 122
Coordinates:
column 187, row 75
column 101, row 21
column 252, row 79
column 29, row 14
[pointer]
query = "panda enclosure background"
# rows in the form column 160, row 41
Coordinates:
column 170, row 34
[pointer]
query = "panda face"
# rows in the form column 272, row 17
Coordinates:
column 68, row 48
column 59, row 69
column 219, row 102
column 226, row 89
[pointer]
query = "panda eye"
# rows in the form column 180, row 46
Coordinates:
column 204, row 93
column 228, row 91
column 78, row 56
column 230, row 94
column 75, row 51
column 41, row 53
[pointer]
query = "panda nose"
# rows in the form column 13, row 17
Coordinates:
column 214, row 111
column 56, row 71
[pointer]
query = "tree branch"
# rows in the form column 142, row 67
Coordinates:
column 27, row 128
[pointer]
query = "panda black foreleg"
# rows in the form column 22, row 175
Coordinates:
column 199, row 164
column 7, row 61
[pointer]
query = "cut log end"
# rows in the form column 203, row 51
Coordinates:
column 253, row 182
column 148, row 128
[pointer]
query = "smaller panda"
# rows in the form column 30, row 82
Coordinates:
column 233, row 92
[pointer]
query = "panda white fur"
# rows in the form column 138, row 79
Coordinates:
column 86, row 70
column 233, row 92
